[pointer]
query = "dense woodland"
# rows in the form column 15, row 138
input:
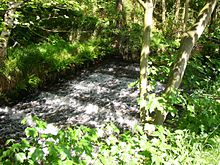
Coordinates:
column 176, row 43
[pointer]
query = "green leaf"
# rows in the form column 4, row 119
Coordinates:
column 9, row 141
column 31, row 132
column 20, row 157
column 25, row 143
column 64, row 153
column 66, row 162
column 24, row 121
column 31, row 151
column 40, row 124
column 5, row 154
column 139, row 129
column 16, row 147
column 191, row 108
column 133, row 84
column 37, row 154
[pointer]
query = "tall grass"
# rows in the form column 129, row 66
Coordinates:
column 30, row 66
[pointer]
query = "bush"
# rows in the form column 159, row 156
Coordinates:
column 47, row 144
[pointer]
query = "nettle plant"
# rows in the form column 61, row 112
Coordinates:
column 46, row 144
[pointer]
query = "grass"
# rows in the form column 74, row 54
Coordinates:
column 29, row 67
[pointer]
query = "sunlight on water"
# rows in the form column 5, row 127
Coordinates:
column 92, row 99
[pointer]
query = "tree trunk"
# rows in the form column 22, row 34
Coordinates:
column 148, row 21
column 120, row 22
column 163, row 11
column 8, row 26
column 214, row 17
column 187, row 44
column 177, row 11
column 120, row 11
column 176, row 18
column 186, row 15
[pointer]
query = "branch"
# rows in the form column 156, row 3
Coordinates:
column 154, row 2
column 141, row 3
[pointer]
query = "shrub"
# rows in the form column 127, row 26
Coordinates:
column 46, row 144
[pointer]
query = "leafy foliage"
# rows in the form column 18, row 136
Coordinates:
column 107, row 145
column 22, row 65
column 53, row 36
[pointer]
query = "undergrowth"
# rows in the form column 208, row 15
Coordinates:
column 28, row 67
column 46, row 144
column 191, row 135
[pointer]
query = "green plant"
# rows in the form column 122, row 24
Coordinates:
column 47, row 144
column 30, row 66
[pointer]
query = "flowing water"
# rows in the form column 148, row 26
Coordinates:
column 93, row 98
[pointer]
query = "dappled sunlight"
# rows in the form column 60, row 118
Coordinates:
column 109, row 82
column 93, row 99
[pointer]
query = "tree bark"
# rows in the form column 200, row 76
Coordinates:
column 148, row 22
column 187, row 44
column 163, row 11
column 8, row 26
column 214, row 17
column 186, row 15
column 122, row 16
column 177, row 11
column 120, row 23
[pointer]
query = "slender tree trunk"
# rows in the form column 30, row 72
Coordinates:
column 177, row 18
column 119, row 8
column 120, row 23
column 187, row 44
column 186, row 15
column 163, row 11
column 177, row 11
column 148, row 22
column 183, row 15
column 213, row 19
column 8, row 26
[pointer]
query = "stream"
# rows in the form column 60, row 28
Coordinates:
column 93, row 98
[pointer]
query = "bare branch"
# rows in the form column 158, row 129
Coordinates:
column 141, row 3
column 154, row 2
